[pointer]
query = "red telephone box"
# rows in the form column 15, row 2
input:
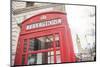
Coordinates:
column 45, row 38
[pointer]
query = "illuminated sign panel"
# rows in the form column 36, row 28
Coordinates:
column 43, row 24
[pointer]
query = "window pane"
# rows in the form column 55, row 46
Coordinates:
column 25, row 45
column 41, row 58
column 28, row 4
column 51, row 57
column 58, row 52
column 23, row 59
column 58, row 56
column 31, row 44
column 44, row 42
column 45, row 58
column 58, row 59
column 57, row 40
column 32, row 58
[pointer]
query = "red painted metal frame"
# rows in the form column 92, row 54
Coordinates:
column 54, row 46
column 66, row 45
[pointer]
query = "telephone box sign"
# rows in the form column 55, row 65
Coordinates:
column 44, row 24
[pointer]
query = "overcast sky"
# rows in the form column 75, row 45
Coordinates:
column 79, row 21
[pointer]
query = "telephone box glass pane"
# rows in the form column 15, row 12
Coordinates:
column 40, row 43
column 25, row 45
column 32, row 58
column 23, row 59
column 41, row 58
column 57, row 40
column 58, row 56
column 51, row 57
